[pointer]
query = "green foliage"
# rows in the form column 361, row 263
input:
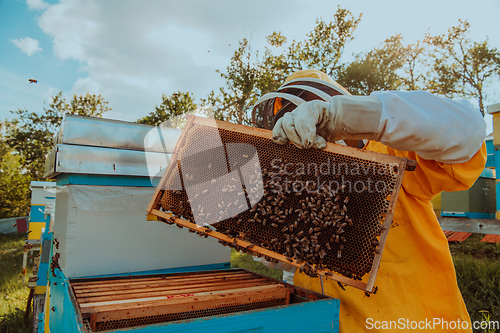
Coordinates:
column 13, row 294
column 30, row 135
column 171, row 106
column 325, row 45
column 375, row 70
column 460, row 66
column 14, row 192
column 250, row 75
column 238, row 96
column 242, row 260
column 479, row 282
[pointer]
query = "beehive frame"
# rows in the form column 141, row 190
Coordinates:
column 212, row 146
column 124, row 302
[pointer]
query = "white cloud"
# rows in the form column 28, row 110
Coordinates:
column 36, row 4
column 134, row 51
column 28, row 45
column 137, row 51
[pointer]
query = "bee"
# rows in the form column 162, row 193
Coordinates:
column 328, row 273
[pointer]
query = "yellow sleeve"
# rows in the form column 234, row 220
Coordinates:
column 431, row 177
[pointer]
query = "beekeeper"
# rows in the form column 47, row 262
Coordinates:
column 416, row 280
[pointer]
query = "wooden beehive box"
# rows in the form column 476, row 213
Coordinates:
column 208, row 301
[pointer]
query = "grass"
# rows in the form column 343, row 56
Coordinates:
column 242, row 260
column 478, row 274
column 13, row 294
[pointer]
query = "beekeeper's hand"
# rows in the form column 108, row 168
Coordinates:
column 434, row 127
column 314, row 123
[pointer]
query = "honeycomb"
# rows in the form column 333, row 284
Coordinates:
column 225, row 308
column 319, row 207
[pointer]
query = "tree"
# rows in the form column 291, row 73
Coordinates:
column 15, row 189
column 375, row 70
column 30, row 135
column 171, row 106
column 325, row 45
column 249, row 75
column 460, row 66
column 389, row 66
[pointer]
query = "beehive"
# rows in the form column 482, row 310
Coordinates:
column 115, row 303
column 326, row 212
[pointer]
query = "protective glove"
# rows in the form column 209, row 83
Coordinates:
column 314, row 123
column 434, row 127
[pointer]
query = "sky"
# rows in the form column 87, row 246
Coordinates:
column 131, row 52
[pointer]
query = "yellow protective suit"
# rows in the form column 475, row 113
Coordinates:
column 416, row 281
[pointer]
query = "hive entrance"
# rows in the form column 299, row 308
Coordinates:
column 322, row 210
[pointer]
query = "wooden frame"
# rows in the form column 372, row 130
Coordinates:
column 109, row 299
column 402, row 165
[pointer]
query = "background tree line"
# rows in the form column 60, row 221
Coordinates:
column 450, row 64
